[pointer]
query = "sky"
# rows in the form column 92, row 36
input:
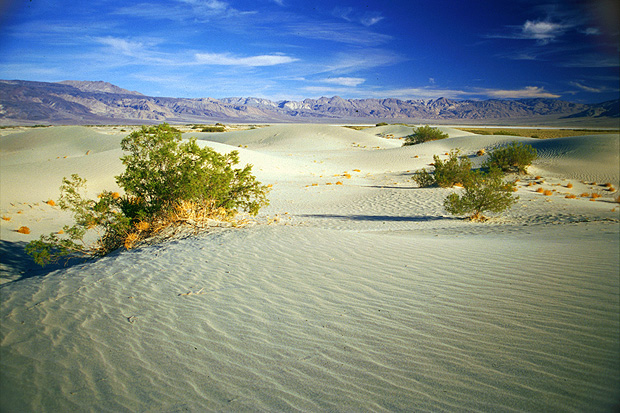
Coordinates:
column 296, row 49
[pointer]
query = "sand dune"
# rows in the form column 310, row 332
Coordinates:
column 354, row 290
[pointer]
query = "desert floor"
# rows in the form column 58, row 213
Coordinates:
column 353, row 290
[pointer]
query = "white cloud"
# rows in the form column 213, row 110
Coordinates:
column 226, row 59
column 420, row 93
column 586, row 88
column 526, row 92
column 541, row 31
column 344, row 81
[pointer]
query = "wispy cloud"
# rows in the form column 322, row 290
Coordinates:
column 344, row 81
column 541, row 31
column 226, row 59
column 586, row 88
column 367, row 18
column 337, row 32
column 526, row 92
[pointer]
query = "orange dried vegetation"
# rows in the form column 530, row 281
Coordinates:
column 339, row 183
column 595, row 195
column 570, row 196
column 548, row 192
column 51, row 202
column 480, row 152
column 142, row 226
column 357, row 170
column 116, row 195
column 24, row 230
column 569, row 185
column 537, row 177
column 584, row 195
column 4, row 217
column 608, row 185
column 347, row 175
column 540, row 190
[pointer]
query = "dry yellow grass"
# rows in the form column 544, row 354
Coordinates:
column 143, row 226
column 24, row 230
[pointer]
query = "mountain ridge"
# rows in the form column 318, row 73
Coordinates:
column 92, row 102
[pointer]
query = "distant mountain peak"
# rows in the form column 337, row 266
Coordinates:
column 99, row 86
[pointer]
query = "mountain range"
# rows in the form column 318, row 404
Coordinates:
column 86, row 102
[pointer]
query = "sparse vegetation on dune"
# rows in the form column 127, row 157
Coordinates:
column 538, row 133
column 484, row 192
column 515, row 157
column 424, row 134
column 166, row 182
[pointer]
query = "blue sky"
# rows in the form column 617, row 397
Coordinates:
column 295, row 49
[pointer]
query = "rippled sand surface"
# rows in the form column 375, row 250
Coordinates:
column 364, row 296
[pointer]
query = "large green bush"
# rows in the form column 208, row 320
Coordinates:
column 454, row 170
column 484, row 192
column 424, row 134
column 166, row 181
column 515, row 157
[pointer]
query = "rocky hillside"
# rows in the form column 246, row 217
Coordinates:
column 77, row 102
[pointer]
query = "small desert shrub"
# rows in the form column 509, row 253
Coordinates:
column 424, row 134
column 454, row 170
column 51, row 202
column 212, row 129
column 548, row 192
column 481, row 152
column 571, row 196
column 161, row 173
column 569, row 185
column 24, row 230
column 540, row 190
column 382, row 124
column 484, row 192
column 595, row 195
column 515, row 157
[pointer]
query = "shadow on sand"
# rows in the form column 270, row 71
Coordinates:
column 16, row 265
column 388, row 218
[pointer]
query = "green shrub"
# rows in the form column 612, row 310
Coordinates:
column 455, row 170
column 382, row 124
column 166, row 181
column 216, row 128
column 484, row 192
column 424, row 134
column 515, row 157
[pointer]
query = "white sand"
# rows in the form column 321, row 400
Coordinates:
column 364, row 296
